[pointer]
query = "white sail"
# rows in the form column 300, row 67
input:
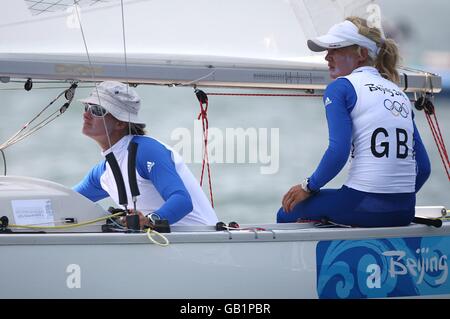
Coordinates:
column 261, row 29
column 258, row 43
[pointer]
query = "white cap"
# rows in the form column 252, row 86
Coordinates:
column 117, row 98
column 342, row 35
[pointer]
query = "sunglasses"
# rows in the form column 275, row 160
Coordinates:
column 95, row 110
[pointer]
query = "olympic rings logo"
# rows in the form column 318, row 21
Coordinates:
column 396, row 108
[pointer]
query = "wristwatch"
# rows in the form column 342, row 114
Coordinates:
column 152, row 217
column 305, row 186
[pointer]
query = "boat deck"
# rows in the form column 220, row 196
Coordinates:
column 208, row 234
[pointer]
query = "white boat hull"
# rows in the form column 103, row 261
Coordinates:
column 296, row 262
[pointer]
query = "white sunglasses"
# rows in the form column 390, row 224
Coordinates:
column 95, row 109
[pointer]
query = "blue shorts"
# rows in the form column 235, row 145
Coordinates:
column 354, row 208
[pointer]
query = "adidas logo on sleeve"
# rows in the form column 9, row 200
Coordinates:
column 150, row 165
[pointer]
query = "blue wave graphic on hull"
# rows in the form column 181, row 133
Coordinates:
column 383, row 267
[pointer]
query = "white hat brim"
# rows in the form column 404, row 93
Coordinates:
column 125, row 117
column 327, row 42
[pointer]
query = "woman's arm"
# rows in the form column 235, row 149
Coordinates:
column 340, row 99
column 90, row 186
column 164, row 176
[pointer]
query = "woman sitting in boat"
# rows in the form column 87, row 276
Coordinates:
column 167, row 187
column 370, row 117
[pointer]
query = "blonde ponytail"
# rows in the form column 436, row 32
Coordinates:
column 387, row 60
column 388, row 57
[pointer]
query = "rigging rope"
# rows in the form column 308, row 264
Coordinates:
column 89, row 222
column 266, row 94
column 203, row 115
column 439, row 140
column 125, row 59
column 124, row 43
column 26, row 131
column 150, row 232
column 426, row 103
column 93, row 76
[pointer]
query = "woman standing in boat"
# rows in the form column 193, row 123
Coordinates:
column 167, row 186
column 370, row 117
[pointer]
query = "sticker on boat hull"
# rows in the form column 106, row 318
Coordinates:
column 381, row 268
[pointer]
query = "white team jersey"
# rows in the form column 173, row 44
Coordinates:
column 202, row 213
column 382, row 136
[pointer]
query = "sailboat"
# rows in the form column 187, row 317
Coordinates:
column 47, row 248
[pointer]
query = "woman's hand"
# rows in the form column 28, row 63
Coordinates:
column 295, row 195
column 143, row 220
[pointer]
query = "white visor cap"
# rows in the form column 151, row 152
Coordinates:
column 117, row 98
column 342, row 35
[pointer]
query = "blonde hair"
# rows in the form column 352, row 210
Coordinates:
column 388, row 58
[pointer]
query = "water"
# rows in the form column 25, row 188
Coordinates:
column 60, row 153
